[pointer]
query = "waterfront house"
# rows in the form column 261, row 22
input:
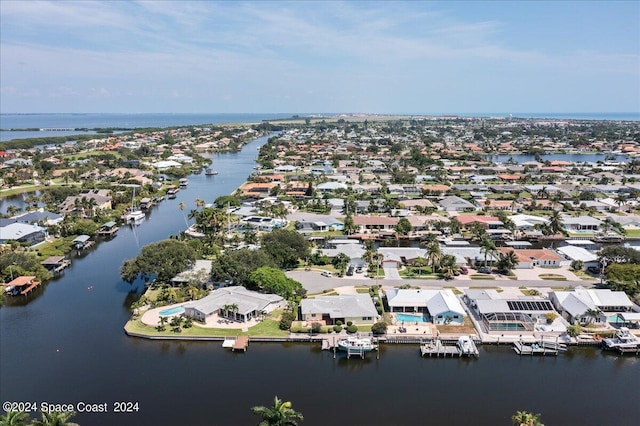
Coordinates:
column 442, row 306
column 584, row 306
column 509, row 314
column 21, row 285
column 22, row 233
column 234, row 302
column 456, row 204
column 375, row 224
column 528, row 258
column 574, row 253
column 198, row 274
column 327, row 310
column 579, row 224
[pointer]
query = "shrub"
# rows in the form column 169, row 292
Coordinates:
column 352, row 328
column 349, row 323
column 316, row 327
column 574, row 330
column 337, row 328
column 286, row 320
column 379, row 328
column 551, row 316
column 338, row 322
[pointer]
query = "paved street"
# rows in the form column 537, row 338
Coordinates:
column 316, row 283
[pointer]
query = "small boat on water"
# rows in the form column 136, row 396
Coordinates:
column 133, row 214
column 624, row 341
column 210, row 172
column 184, row 182
column 359, row 344
column 466, row 346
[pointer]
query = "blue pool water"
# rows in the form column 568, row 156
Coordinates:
column 171, row 311
column 410, row 318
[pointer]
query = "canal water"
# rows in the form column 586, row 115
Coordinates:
column 67, row 345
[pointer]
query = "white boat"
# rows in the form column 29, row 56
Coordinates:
column 184, row 182
column 624, row 340
column 466, row 346
column 210, row 172
column 356, row 344
column 133, row 214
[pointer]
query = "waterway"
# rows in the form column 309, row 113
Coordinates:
column 67, row 345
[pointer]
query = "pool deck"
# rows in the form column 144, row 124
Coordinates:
column 152, row 318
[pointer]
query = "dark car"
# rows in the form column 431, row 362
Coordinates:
column 484, row 270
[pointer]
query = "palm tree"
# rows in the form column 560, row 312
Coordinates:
column 448, row 266
column 507, row 262
column 55, row 418
column 487, row 247
column 14, row 418
column 592, row 315
column 555, row 222
column 434, row 253
column 525, row 418
column 281, row 414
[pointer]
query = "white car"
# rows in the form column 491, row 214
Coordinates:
column 326, row 274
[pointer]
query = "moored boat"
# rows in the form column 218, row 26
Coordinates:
column 210, row 172
column 623, row 341
column 362, row 344
column 184, row 182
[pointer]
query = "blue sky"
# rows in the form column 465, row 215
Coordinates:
column 320, row 56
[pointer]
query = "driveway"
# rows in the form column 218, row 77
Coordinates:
column 391, row 274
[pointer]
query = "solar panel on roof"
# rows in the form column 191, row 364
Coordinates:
column 529, row 305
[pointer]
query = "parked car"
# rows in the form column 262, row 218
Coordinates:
column 326, row 274
column 350, row 270
column 464, row 270
column 484, row 270
column 359, row 270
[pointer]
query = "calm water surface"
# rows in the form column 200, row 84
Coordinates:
column 67, row 345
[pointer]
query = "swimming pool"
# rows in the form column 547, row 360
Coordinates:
column 171, row 311
column 410, row 318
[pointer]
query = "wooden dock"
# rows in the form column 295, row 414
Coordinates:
column 436, row 347
column 241, row 344
column 541, row 347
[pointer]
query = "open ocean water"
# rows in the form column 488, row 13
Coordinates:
column 131, row 121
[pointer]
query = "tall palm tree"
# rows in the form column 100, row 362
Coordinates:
column 434, row 253
column 555, row 222
column 507, row 262
column 14, row 418
column 281, row 414
column 525, row 418
column 55, row 418
column 487, row 247
column 448, row 266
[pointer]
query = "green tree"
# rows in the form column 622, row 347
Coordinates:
column 487, row 247
column 555, row 223
column 403, row 227
column 14, row 418
column 162, row 260
column 55, row 418
column 273, row 280
column 280, row 414
column 506, row 262
column 448, row 266
column 433, row 254
column 237, row 265
column 524, row 418
column 340, row 262
column 285, row 247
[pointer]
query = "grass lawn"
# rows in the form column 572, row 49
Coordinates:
column 466, row 328
column 482, row 277
column 58, row 247
column 553, row 277
column 362, row 290
column 530, row 292
column 93, row 153
column 455, row 290
column 15, row 190
column 633, row 233
column 267, row 328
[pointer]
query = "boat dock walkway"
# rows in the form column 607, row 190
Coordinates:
column 438, row 348
column 241, row 344
column 541, row 347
